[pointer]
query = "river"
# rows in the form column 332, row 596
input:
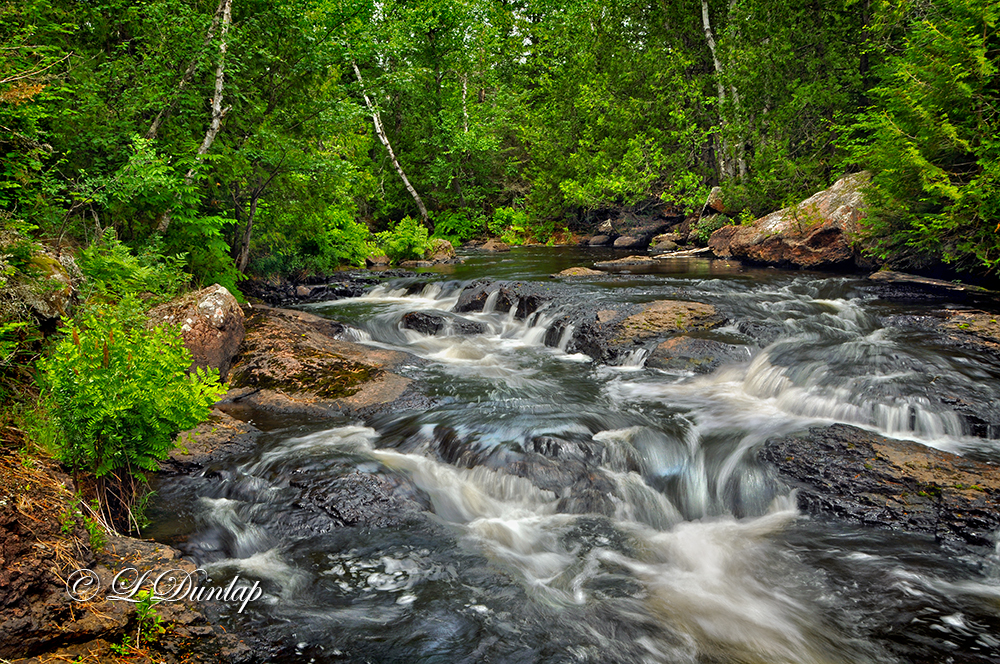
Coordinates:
column 653, row 534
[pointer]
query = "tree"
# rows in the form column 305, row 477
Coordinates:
column 931, row 138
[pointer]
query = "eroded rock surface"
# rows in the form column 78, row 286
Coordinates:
column 212, row 325
column 293, row 362
column 851, row 473
column 818, row 233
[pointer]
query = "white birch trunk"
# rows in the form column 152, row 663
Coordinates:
column 217, row 111
column 380, row 131
column 724, row 166
column 188, row 74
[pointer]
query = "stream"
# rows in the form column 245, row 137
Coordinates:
column 639, row 525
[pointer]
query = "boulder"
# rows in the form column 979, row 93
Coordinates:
column 57, row 297
column 714, row 201
column 850, row 473
column 697, row 355
column 631, row 242
column 578, row 272
column 292, row 363
column 377, row 261
column 494, row 246
column 664, row 247
column 413, row 264
column 440, row 251
column 607, row 228
column 433, row 322
column 601, row 240
column 212, row 325
column 665, row 317
column 667, row 237
column 818, row 233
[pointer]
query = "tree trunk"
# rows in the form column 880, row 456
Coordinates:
column 188, row 74
column 380, row 131
column 243, row 255
column 217, row 111
column 722, row 152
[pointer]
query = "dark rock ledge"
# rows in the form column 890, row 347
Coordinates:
column 850, row 473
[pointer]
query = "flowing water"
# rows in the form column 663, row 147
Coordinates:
column 654, row 536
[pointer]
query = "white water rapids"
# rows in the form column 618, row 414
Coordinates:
column 652, row 535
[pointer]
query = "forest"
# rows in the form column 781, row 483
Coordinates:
column 155, row 150
column 278, row 138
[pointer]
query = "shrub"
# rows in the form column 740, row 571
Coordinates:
column 708, row 225
column 458, row 226
column 509, row 224
column 407, row 241
column 113, row 270
column 120, row 394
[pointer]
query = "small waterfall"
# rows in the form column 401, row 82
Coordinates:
column 633, row 359
column 565, row 337
column 491, row 302
column 355, row 334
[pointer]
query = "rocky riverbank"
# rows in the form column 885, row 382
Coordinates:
column 846, row 472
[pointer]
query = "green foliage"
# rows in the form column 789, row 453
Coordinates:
column 312, row 245
column 407, row 241
column 510, row 225
column 150, row 622
column 208, row 255
column 931, row 140
column 67, row 518
column 708, row 225
column 98, row 537
column 113, row 270
column 121, row 393
column 458, row 226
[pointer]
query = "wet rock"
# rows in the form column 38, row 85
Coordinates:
column 616, row 329
column 697, row 355
column 630, row 242
column 212, row 325
column 493, row 246
column 625, row 263
column 433, row 322
column 763, row 332
column 668, row 317
column 559, row 448
column 663, row 247
column 414, row 264
column 292, row 362
column 578, row 272
column 602, row 240
column 361, row 499
column 902, row 287
column 861, row 476
column 218, row 438
column 818, row 233
column 527, row 297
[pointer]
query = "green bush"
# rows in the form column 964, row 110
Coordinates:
column 120, row 393
column 458, row 226
column 113, row 270
column 407, row 241
column 510, row 225
column 708, row 225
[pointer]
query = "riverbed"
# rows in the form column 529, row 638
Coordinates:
column 552, row 508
